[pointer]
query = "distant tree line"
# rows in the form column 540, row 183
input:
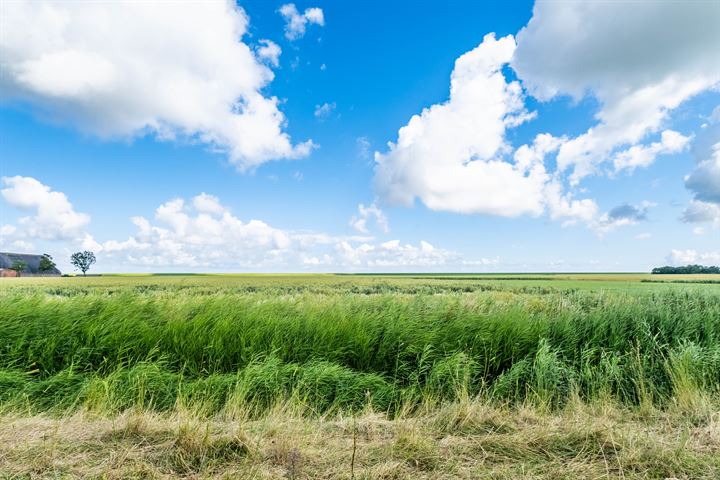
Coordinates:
column 686, row 269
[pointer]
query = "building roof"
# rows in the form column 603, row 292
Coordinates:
column 32, row 261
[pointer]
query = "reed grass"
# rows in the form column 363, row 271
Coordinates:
column 345, row 346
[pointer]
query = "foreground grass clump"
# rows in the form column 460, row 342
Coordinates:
column 466, row 439
column 344, row 345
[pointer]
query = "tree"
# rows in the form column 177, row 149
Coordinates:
column 18, row 266
column 687, row 269
column 46, row 263
column 82, row 260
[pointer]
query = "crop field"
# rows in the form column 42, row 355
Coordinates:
column 360, row 376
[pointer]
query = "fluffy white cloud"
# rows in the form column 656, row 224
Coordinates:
column 359, row 221
column 563, row 207
column 393, row 254
column 644, row 155
column 123, row 69
column 691, row 257
column 452, row 155
column 52, row 215
column 296, row 22
column 203, row 234
column 449, row 156
column 206, row 203
column 640, row 60
column 269, row 51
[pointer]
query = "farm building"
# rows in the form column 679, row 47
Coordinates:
column 31, row 270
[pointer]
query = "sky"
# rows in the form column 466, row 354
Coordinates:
column 368, row 136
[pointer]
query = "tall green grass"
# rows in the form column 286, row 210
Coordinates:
column 347, row 346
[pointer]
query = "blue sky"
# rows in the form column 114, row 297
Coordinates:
column 264, row 136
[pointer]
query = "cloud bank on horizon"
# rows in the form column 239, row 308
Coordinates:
column 127, row 70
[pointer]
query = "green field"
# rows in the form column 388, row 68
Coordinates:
column 460, row 376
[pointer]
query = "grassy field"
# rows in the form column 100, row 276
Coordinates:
column 358, row 376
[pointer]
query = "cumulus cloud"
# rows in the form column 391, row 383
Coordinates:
column 692, row 257
column 296, row 22
column 203, row 234
column 449, row 156
column 269, row 51
column 52, row 216
column 567, row 209
column 644, row 155
column 640, row 60
column 371, row 212
column 178, row 70
column 393, row 254
column 206, row 203
column 622, row 215
column 454, row 155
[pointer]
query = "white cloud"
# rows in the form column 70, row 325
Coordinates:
column 449, row 155
column 564, row 207
column 359, row 221
column 296, row 22
column 454, row 156
column 644, row 155
column 205, row 203
column 269, row 51
column 178, row 70
column 640, row 60
column 52, row 215
column 393, row 254
column 202, row 234
column 643, row 236
column 691, row 257
column 699, row 231
column 325, row 110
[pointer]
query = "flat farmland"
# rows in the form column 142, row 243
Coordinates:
column 361, row 376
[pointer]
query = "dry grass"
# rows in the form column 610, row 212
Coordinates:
column 467, row 439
